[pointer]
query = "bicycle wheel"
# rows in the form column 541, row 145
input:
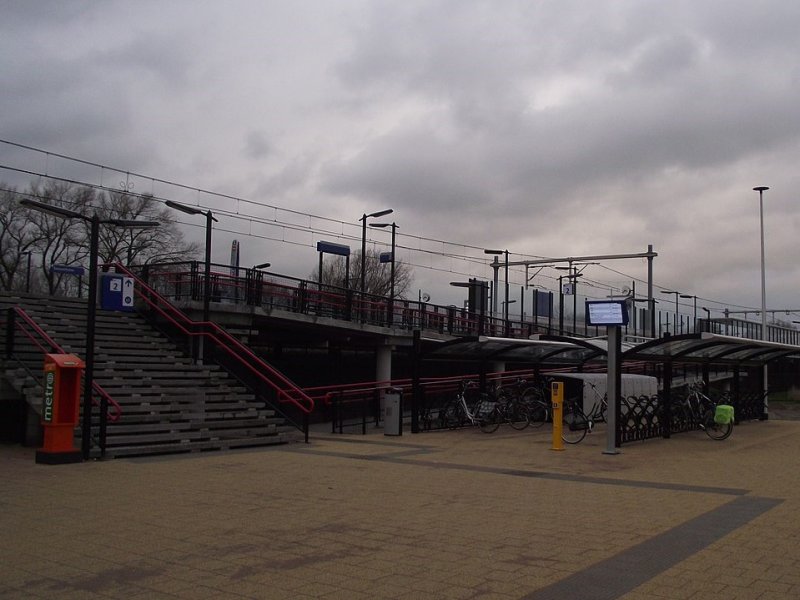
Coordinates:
column 518, row 415
column 537, row 414
column 424, row 420
column 680, row 418
column 601, row 413
column 575, row 425
column 532, row 395
column 538, row 406
column 713, row 429
column 491, row 420
column 452, row 415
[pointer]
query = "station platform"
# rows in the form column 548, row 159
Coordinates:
column 451, row 514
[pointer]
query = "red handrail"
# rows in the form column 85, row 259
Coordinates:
column 59, row 350
column 228, row 343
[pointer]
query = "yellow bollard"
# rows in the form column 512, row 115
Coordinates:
column 557, row 398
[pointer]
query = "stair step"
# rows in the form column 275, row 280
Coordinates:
column 196, row 446
column 169, row 403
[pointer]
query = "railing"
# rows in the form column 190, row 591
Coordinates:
column 183, row 281
column 50, row 347
column 356, row 405
column 229, row 352
column 229, row 285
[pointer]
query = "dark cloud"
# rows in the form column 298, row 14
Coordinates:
column 546, row 127
column 257, row 145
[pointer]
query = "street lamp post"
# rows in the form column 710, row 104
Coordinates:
column 505, row 295
column 393, row 225
column 94, row 222
column 191, row 210
column 560, row 305
column 761, row 189
column 572, row 276
column 363, row 220
column 677, row 309
column 254, row 283
column 690, row 296
column 28, row 272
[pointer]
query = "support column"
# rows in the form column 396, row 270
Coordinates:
column 666, row 396
column 383, row 363
column 383, row 372
column 613, row 387
column 416, row 388
column 651, row 304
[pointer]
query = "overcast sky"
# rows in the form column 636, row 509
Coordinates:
column 548, row 128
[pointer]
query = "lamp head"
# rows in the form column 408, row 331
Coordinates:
column 64, row 213
column 132, row 223
column 379, row 213
column 189, row 210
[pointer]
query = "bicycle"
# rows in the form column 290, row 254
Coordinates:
column 484, row 413
column 574, row 422
column 535, row 398
column 698, row 410
column 513, row 407
column 597, row 413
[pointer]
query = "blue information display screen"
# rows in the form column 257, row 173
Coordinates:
column 607, row 312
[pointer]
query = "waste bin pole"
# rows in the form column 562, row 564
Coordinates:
column 557, row 399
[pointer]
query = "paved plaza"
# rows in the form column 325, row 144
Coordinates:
column 454, row 514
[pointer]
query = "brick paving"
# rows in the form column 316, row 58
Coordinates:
column 451, row 515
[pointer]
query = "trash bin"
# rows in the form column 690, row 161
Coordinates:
column 393, row 412
column 60, row 408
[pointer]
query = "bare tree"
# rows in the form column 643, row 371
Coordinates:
column 53, row 240
column 377, row 280
column 16, row 239
column 58, row 241
column 140, row 246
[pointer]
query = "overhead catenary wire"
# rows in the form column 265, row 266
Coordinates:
column 338, row 231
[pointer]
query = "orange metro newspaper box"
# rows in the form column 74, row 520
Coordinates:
column 60, row 408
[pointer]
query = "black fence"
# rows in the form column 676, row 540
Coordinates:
column 184, row 281
column 647, row 417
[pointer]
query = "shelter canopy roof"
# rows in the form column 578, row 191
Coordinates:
column 551, row 350
column 712, row 348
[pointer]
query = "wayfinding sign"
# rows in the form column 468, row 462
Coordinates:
column 607, row 313
column 116, row 292
column 68, row 269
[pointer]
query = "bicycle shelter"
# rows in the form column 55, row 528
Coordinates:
column 648, row 416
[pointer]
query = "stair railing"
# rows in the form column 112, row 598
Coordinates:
column 50, row 347
column 285, row 390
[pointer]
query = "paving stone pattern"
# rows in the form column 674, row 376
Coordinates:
column 451, row 515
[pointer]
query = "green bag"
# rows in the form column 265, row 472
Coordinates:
column 723, row 415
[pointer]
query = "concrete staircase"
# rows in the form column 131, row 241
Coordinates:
column 168, row 404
